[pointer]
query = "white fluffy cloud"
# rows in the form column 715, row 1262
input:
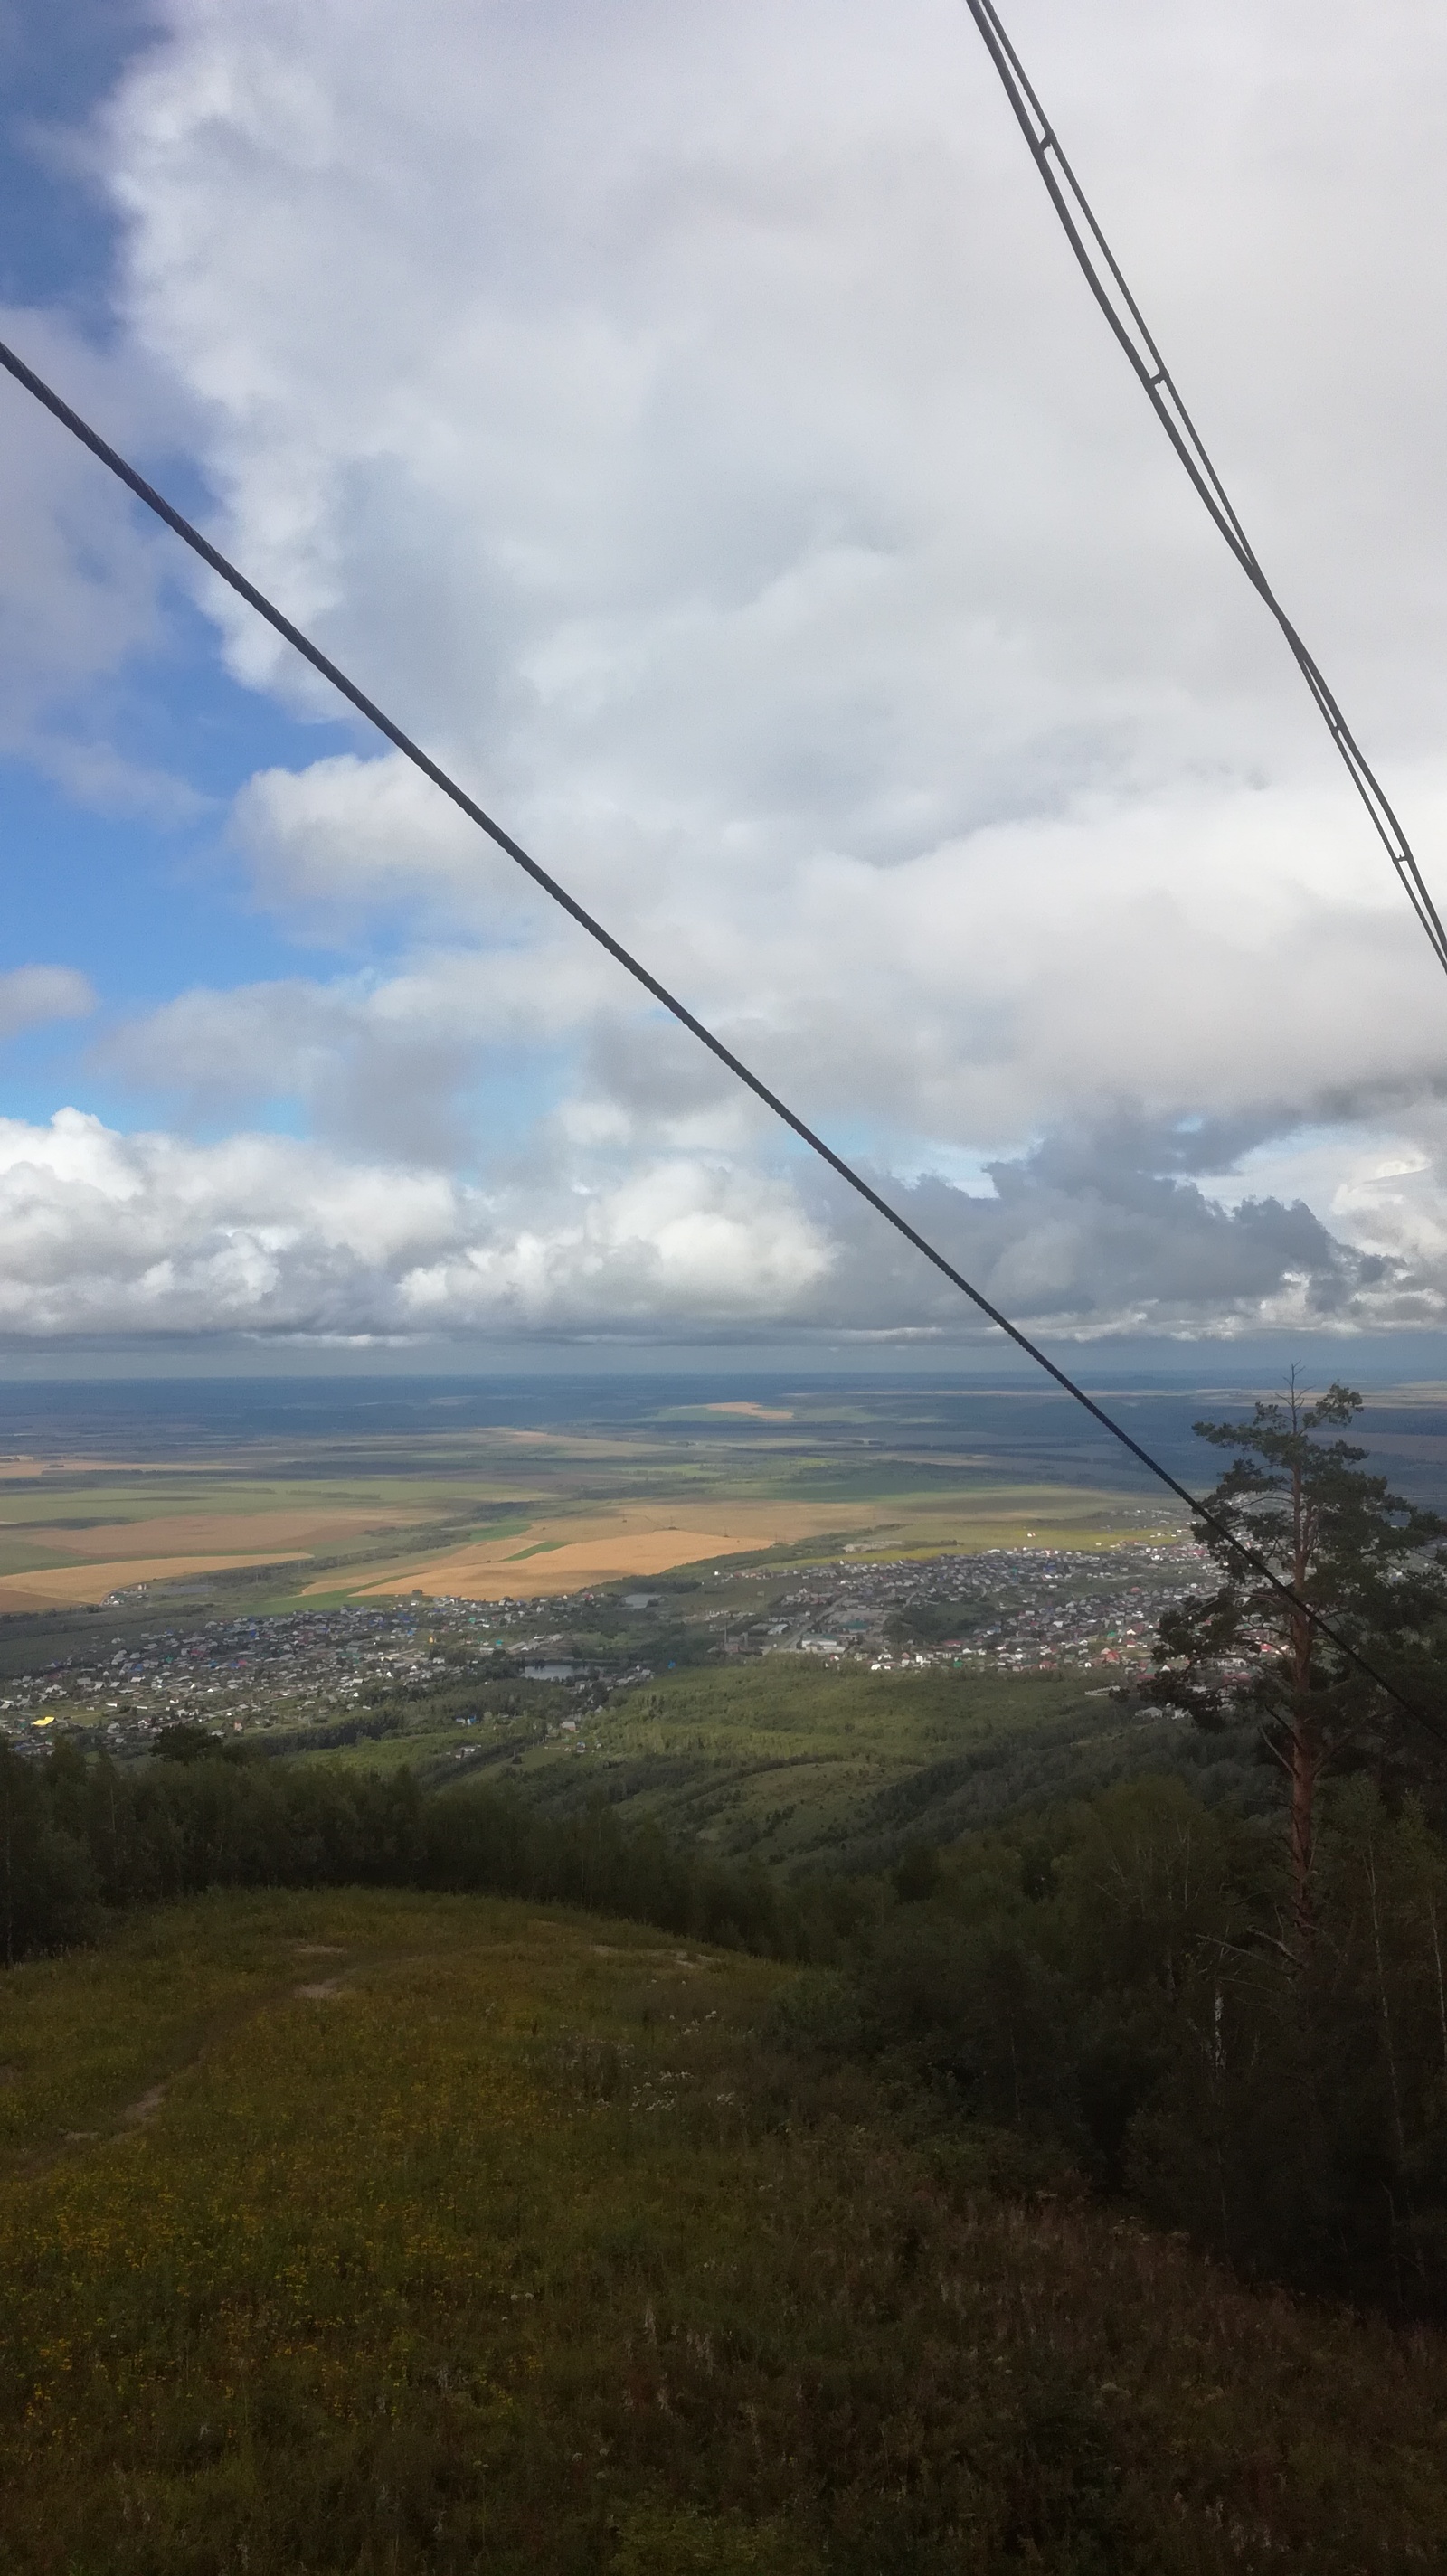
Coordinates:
column 707, row 409
column 266, row 1235
column 1041, row 971
column 261, row 1234
column 692, row 426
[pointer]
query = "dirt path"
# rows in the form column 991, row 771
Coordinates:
column 217, row 2027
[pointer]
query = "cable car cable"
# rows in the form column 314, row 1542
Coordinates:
column 1107, row 284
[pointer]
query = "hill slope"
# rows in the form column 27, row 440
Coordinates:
column 370, row 2232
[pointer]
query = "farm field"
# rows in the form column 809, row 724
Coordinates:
column 556, row 1499
column 72, row 1534
column 367, row 2232
column 276, row 1491
column 593, row 1490
column 54, row 1587
column 560, row 1554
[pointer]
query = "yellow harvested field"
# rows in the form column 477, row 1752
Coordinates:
column 564, row 1555
column 17, row 1594
column 54, row 1588
column 193, row 1534
column 470, row 1576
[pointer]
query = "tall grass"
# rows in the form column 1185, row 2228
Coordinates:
column 461, row 2236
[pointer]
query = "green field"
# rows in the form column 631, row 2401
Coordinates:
column 398, row 2234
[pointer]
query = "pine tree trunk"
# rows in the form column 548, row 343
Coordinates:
column 1305, row 1760
column 1306, row 1751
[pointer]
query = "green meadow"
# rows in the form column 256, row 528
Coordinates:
column 389, row 2233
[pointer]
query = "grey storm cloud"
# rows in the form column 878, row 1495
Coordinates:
column 1097, row 1249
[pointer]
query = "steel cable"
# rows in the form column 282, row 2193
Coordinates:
column 312, row 653
column 1103, row 276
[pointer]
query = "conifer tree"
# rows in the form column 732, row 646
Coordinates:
column 1369, row 1562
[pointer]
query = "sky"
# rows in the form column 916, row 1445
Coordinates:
column 691, row 426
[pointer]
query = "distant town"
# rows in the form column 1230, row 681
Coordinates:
column 1006, row 1610
column 1023, row 1609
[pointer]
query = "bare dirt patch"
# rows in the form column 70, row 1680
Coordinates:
column 147, row 2107
column 325, row 1991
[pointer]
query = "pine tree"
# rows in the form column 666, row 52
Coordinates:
column 1367, row 1561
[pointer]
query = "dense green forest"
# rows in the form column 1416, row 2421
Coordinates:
column 80, row 1839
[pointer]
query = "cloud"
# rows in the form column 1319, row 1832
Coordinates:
column 724, row 412
column 77, row 591
column 710, row 449
column 268, row 1235
column 394, row 1064
column 81, row 577
column 1075, row 1242
column 31, row 995
column 262, row 1234
column 693, row 428
column 1115, row 960
column 348, row 835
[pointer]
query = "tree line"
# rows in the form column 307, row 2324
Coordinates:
column 1240, row 2022
column 82, row 1839
column 1106, row 1993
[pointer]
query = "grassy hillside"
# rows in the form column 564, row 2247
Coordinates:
column 812, row 1763
column 805, row 1764
column 389, row 2234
